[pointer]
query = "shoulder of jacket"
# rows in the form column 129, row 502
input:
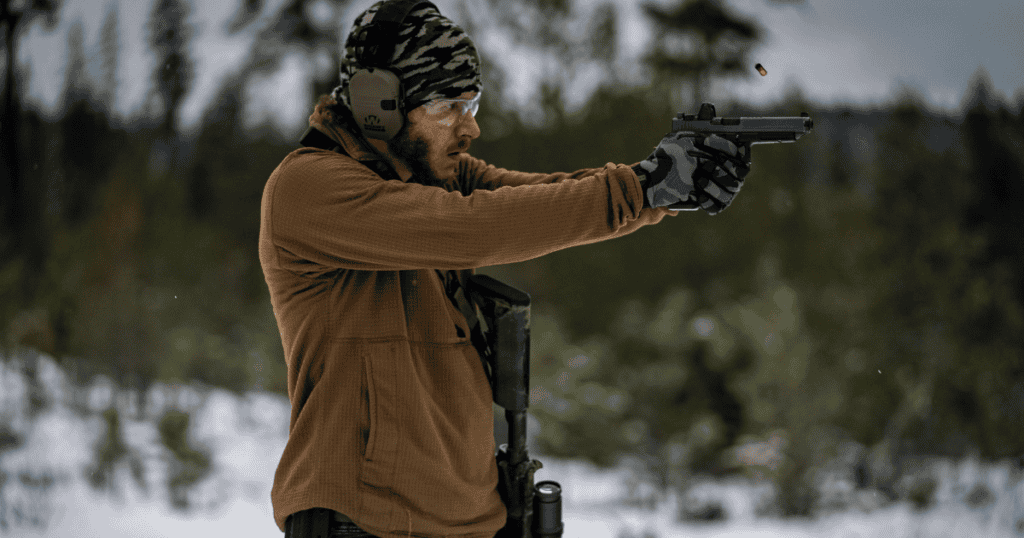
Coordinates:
column 307, row 166
column 316, row 157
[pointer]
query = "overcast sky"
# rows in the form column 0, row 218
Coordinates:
column 835, row 51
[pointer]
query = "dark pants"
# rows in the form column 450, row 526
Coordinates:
column 321, row 523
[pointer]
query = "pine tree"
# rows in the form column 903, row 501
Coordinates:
column 716, row 42
column 22, row 241
column 170, row 33
column 110, row 50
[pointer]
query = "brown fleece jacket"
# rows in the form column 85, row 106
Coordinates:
column 391, row 420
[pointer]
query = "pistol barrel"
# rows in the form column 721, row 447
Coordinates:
column 754, row 130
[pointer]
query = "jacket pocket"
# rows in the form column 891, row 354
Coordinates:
column 370, row 401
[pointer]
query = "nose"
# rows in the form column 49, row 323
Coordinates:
column 468, row 127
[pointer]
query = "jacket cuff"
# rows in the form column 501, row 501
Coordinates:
column 640, row 177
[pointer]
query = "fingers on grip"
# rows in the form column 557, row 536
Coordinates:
column 721, row 166
column 721, row 144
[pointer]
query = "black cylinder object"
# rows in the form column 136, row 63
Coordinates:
column 547, row 510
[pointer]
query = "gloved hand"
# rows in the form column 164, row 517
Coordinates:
column 721, row 168
column 682, row 175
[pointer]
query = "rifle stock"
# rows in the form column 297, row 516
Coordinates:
column 505, row 351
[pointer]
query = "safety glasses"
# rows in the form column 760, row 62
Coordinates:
column 442, row 107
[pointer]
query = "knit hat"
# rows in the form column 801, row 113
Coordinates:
column 433, row 57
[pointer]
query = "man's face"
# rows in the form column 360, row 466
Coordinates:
column 431, row 143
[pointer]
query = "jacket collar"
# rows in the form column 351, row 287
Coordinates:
column 361, row 150
column 356, row 147
column 352, row 145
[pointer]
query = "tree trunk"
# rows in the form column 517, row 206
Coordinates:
column 10, row 184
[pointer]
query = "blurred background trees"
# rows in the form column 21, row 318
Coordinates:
column 861, row 293
column 21, row 235
column 698, row 39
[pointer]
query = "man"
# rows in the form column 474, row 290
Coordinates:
column 365, row 250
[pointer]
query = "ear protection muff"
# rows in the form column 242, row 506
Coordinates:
column 376, row 98
column 375, row 92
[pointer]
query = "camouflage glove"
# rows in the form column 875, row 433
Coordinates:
column 721, row 168
column 666, row 174
column 682, row 175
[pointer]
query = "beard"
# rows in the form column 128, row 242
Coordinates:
column 413, row 153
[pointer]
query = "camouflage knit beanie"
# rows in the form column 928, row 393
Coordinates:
column 433, row 57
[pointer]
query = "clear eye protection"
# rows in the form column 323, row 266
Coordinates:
column 444, row 106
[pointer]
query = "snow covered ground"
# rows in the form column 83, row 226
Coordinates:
column 47, row 493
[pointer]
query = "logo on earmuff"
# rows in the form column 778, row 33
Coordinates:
column 372, row 123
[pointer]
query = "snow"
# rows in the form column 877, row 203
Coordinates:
column 47, row 492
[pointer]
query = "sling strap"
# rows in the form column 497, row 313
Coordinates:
column 315, row 138
column 457, row 295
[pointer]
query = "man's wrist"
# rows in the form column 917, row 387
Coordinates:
column 641, row 176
